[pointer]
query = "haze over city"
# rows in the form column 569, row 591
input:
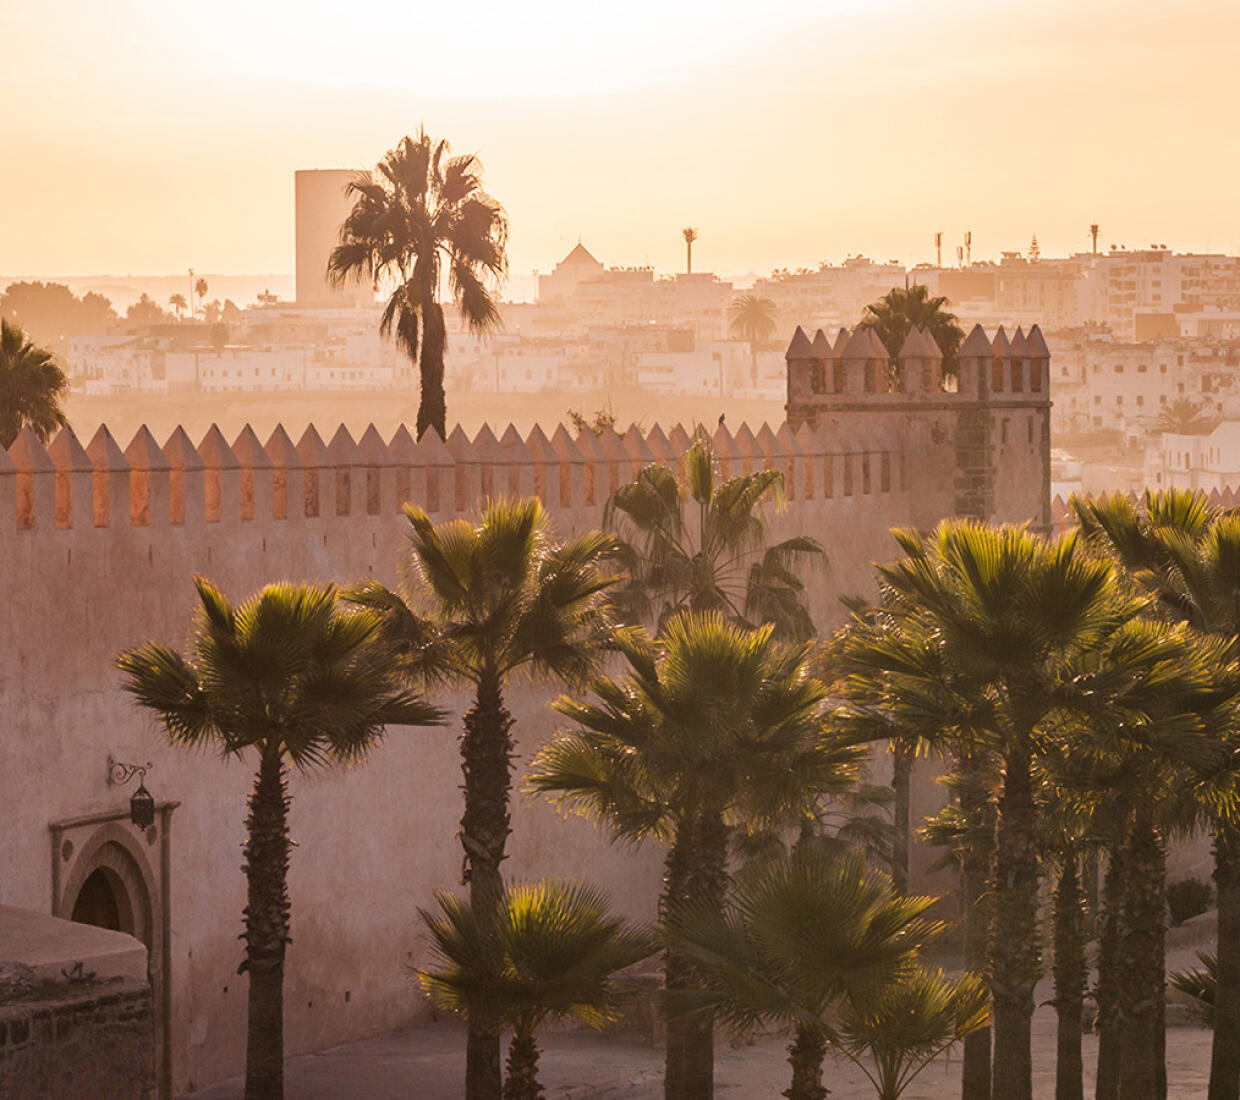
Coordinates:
column 795, row 132
column 633, row 551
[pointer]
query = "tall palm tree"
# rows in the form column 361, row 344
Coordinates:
column 421, row 215
column 690, row 235
column 918, row 1017
column 555, row 954
column 713, row 730
column 200, row 289
column 798, row 938
column 1187, row 555
column 1032, row 633
column 901, row 308
column 486, row 602
column 31, row 386
column 177, row 302
column 752, row 317
column 291, row 677
column 698, row 543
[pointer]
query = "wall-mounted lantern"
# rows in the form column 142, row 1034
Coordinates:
column 141, row 805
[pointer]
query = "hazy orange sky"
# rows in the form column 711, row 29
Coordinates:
column 145, row 137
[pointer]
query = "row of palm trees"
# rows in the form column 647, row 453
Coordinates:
column 1049, row 672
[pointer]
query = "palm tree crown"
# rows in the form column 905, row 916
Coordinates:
column 710, row 556
column 31, row 386
column 752, row 317
column 900, row 309
column 554, row 952
column 420, row 215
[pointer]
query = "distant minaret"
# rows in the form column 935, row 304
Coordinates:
column 1093, row 233
column 1035, row 253
column 968, row 248
column 938, row 250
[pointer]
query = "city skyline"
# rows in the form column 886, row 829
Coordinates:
column 178, row 143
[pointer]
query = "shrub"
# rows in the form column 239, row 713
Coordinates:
column 1188, row 898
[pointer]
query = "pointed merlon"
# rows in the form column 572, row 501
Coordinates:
column 800, row 348
column 402, row 448
column 589, row 446
column 344, row 451
column 565, row 448
column 680, row 440
column 433, row 450
column 841, row 341
column 313, row 451
column 66, row 453
column 374, row 450
column 460, row 447
column 249, row 451
column 143, row 453
column 636, row 447
column 105, row 455
column 913, row 347
column 612, row 443
column 747, row 442
column 540, row 447
column 281, row 451
column 767, row 442
column 1036, row 344
column 180, row 452
column 976, row 345
column 1020, row 346
column 29, row 455
column 1001, row 346
column 878, row 348
column 515, row 448
column 859, row 346
column 821, row 345
column 660, row 445
column 215, row 452
column 486, row 447
column 725, row 445
column 931, row 345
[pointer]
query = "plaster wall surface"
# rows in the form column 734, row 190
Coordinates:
column 97, row 551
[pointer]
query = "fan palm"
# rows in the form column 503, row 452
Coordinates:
column 31, row 386
column 485, row 602
column 1187, row 555
column 901, row 308
column 419, row 215
column 302, row 684
column 177, row 302
column 697, row 543
column 1201, row 985
column 714, row 729
column 1183, row 417
column 797, row 938
column 752, row 317
column 554, row 953
column 916, row 1018
column 1030, row 634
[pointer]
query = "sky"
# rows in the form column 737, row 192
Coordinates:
column 146, row 137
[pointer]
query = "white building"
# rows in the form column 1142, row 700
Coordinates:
column 1206, row 461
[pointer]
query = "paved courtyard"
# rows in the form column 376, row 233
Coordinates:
column 426, row 1063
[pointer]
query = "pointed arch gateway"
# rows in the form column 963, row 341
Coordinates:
column 107, row 873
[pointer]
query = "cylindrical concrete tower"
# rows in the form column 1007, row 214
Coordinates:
column 322, row 205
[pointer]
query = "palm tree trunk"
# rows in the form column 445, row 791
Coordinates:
column 522, row 1082
column 1142, row 970
column 1070, row 979
column 1106, row 993
column 1014, row 955
column 901, row 777
column 805, row 1055
column 432, row 408
column 266, row 927
column 696, row 869
column 1225, row 1053
column 486, row 762
column 975, row 890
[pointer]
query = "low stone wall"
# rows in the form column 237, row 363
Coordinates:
column 74, row 1042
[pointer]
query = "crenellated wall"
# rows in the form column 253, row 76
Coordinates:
column 98, row 545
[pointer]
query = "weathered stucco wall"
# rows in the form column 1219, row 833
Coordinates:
column 97, row 551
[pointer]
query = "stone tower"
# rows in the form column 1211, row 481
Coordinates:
column 977, row 445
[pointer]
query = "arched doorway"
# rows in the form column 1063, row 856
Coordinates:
column 97, row 903
column 104, row 874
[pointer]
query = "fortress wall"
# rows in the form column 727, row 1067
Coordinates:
column 98, row 545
